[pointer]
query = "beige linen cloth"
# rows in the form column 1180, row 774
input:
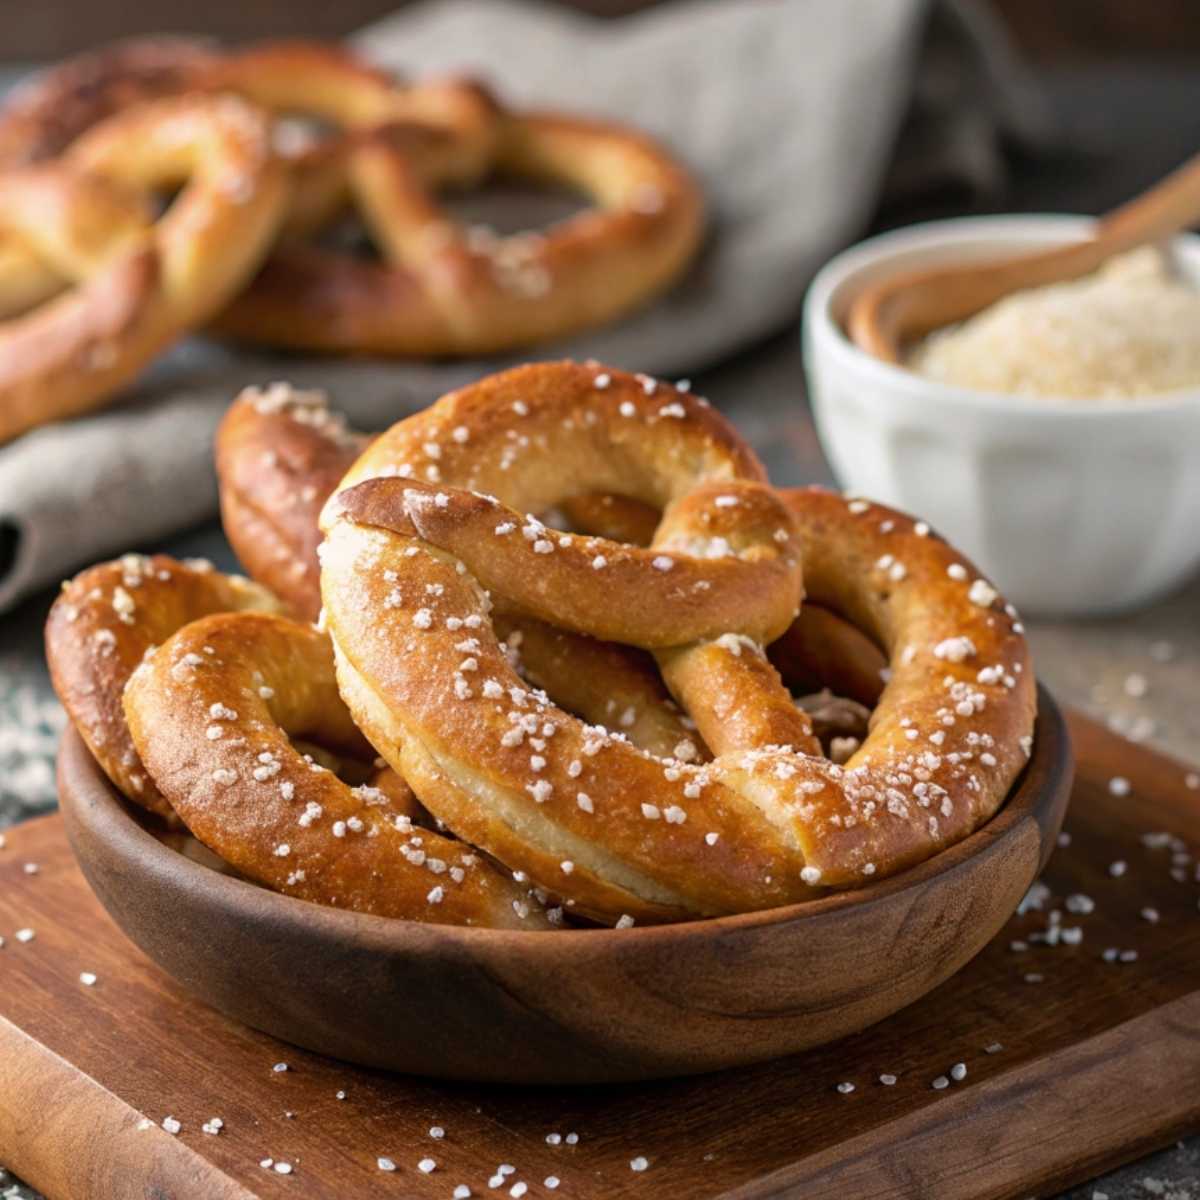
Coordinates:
column 789, row 110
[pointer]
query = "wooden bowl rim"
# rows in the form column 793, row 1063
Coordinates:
column 81, row 780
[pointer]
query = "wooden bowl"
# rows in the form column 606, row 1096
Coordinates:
column 579, row 1006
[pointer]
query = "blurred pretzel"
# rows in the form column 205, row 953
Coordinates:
column 43, row 115
column 440, row 289
column 134, row 284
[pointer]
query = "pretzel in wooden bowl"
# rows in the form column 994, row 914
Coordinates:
column 135, row 283
column 431, row 534
column 202, row 703
column 280, row 454
column 215, row 712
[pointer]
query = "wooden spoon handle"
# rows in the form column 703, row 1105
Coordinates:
column 911, row 305
column 1168, row 207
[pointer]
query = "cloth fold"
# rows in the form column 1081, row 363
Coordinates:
column 789, row 110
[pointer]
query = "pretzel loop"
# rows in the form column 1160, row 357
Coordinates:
column 129, row 285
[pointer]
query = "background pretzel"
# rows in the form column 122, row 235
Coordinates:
column 759, row 825
column 141, row 283
column 441, row 289
column 43, row 115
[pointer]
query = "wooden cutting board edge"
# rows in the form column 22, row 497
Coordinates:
column 1155, row 1056
column 73, row 1139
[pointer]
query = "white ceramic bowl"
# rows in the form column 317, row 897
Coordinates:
column 1071, row 506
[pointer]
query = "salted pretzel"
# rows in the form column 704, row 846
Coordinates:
column 149, row 655
column 136, row 283
column 280, row 453
column 215, row 713
column 430, row 534
column 442, row 289
column 101, row 626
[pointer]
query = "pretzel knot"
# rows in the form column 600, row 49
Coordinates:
column 91, row 285
column 429, row 540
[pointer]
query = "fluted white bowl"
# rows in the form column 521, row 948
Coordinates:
column 1072, row 506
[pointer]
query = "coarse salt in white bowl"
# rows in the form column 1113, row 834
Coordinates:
column 1071, row 506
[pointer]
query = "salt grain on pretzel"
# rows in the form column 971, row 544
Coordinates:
column 405, row 569
column 213, row 714
column 103, row 624
column 280, row 452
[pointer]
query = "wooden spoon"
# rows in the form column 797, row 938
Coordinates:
column 909, row 305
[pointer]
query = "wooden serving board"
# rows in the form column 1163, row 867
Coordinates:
column 1100, row 1061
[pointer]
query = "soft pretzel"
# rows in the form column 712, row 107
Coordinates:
column 280, row 454
column 101, row 626
column 436, row 519
column 140, row 283
column 214, row 713
column 440, row 289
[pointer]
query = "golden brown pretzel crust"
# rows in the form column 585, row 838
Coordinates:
column 764, row 822
column 142, row 283
column 213, row 713
column 43, row 116
column 280, row 453
column 101, row 626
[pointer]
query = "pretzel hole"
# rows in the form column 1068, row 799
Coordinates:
column 506, row 205
column 10, row 545
column 835, row 673
column 496, row 208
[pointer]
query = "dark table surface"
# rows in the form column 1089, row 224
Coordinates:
column 1122, row 127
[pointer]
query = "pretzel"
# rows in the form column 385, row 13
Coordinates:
column 104, row 629
column 213, row 713
column 424, row 528
column 140, row 283
column 101, row 626
column 280, row 454
column 442, row 289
